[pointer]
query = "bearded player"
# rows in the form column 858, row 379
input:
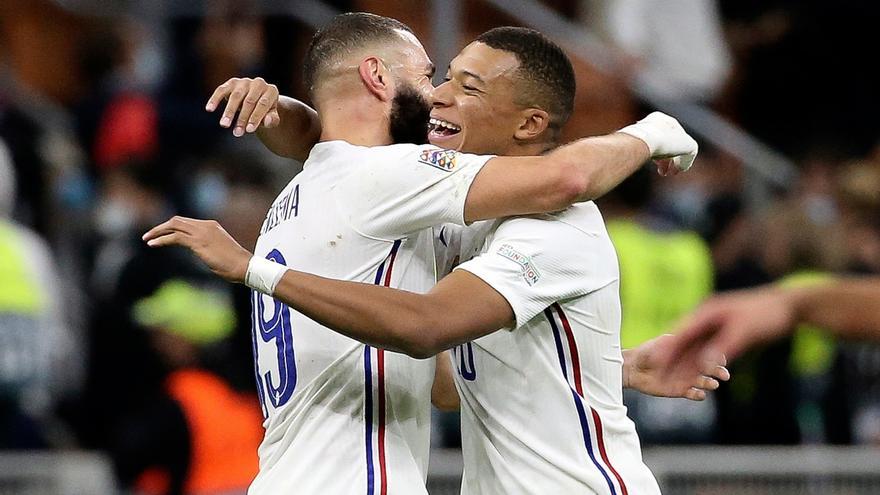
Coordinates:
column 360, row 204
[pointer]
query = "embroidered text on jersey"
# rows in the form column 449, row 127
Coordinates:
column 529, row 271
column 284, row 208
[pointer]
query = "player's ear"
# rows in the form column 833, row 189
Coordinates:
column 533, row 123
column 376, row 78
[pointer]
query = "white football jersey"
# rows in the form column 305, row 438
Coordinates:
column 342, row 417
column 541, row 405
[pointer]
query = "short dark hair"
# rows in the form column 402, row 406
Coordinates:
column 544, row 70
column 346, row 32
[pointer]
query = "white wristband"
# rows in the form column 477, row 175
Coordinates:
column 263, row 275
column 643, row 132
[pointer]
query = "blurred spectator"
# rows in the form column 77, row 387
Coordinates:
column 40, row 359
column 691, row 62
column 858, row 187
column 665, row 272
column 790, row 56
column 199, row 436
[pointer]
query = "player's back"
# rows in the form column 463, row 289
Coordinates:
column 342, row 417
column 542, row 410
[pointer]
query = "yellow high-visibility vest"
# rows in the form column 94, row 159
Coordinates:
column 663, row 277
column 812, row 349
column 19, row 292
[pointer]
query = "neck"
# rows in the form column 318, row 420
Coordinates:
column 530, row 148
column 360, row 120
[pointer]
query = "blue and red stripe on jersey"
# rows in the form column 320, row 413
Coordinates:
column 383, row 277
column 577, row 392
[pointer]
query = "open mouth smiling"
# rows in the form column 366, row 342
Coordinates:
column 440, row 129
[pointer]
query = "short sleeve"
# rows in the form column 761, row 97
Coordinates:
column 402, row 189
column 534, row 262
column 447, row 246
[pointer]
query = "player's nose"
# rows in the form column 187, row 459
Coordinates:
column 441, row 96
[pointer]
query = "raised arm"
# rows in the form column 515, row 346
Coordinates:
column 286, row 126
column 583, row 170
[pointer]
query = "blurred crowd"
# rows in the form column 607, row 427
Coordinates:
column 106, row 344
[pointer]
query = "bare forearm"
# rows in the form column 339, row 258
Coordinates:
column 603, row 162
column 444, row 395
column 387, row 318
column 297, row 132
column 849, row 309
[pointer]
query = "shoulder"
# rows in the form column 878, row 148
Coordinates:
column 580, row 220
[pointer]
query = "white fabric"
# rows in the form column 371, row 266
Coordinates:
column 665, row 138
column 680, row 44
column 521, row 428
column 7, row 182
column 263, row 275
column 342, row 217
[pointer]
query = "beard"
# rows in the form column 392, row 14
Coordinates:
column 410, row 113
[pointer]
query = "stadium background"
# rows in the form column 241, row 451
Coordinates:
column 104, row 134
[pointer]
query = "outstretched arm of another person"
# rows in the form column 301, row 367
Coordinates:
column 286, row 126
column 738, row 321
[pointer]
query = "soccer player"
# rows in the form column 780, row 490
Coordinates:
column 343, row 417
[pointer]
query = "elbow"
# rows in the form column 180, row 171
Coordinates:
column 417, row 340
column 573, row 185
column 421, row 348
column 421, row 352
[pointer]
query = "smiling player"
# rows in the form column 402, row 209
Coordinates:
column 363, row 214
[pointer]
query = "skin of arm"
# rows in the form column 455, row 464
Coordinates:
column 738, row 321
column 444, row 395
column 298, row 130
column 849, row 309
column 583, row 170
column 460, row 308
column 419, row 325
column 286, row 126
column 580, row 171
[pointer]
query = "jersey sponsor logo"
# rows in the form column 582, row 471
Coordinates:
column 442, row 159
column 529, row 271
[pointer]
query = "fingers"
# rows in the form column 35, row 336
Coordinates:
column 695, row 394
column 235, row 97
column 266, row 101
column 684, row 162
column 663, row 166
column 272, row 119
column 707, row 383
column 171, row 239
column 249, row 103
column 219, row 94
column 175, row 224
column 254, row 100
